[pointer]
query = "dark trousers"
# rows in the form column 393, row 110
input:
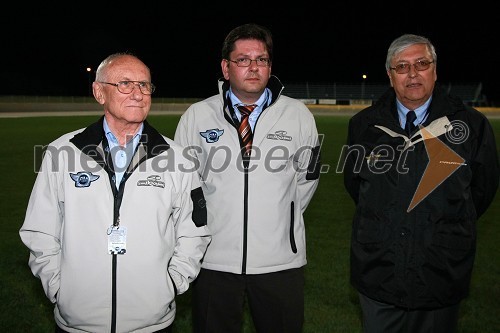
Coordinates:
column 165, row 330
column 386, row 318
column 275, row 300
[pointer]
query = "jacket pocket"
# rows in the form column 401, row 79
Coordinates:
column 292, row 223
column 453, row 232
column 199, row 214
column 173, row 284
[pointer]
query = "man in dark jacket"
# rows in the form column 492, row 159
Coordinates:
column 421, row 167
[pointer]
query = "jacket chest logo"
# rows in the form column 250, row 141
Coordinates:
column 153, row 180
column 279, row 135
column 83, row 178
column 212, row 135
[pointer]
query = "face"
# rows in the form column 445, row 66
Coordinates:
column 247, row 83
column 124, row 109
column 415, row 87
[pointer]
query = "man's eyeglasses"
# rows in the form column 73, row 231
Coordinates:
column 404, row 67
column 245, row 62
column 126, row 87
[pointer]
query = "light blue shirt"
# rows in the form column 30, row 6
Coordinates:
column 121, row 156
column 262, row 102
column 421, row 113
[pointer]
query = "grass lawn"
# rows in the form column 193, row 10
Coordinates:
column 331, row 303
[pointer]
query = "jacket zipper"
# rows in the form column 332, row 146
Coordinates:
column 118, row 196
column 245, row 217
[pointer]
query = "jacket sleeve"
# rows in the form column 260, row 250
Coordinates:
column 192, row 234
column 308, row 159
column 41, row 229
column 184, row 136
column 181, row 135
column 485, row 168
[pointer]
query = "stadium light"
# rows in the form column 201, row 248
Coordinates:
column 364, row 76
column 89, row 72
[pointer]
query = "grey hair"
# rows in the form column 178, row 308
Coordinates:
column 100, row 73
column 403, row 42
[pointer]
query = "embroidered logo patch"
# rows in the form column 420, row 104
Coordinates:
column 83, row 178
column 212, row 135
column 279, row 135
column 153, row 180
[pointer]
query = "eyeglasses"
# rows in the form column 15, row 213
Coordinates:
column 126, row 87
column 404, row 67
column 245, row 62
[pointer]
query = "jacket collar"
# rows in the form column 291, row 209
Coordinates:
column 442, row 104
column 274, row 84
column 91, row 137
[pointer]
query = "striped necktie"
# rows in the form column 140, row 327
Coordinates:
column 245, row 130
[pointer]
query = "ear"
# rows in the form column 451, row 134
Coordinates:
column 224, row 65
column 98, row 92
column 390, row 77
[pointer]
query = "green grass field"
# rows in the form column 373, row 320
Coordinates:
column 331, row 303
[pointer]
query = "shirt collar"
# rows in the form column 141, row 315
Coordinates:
column 112, row 138
column 262, row 102
column 421, row 111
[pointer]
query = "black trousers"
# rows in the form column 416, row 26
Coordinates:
column 275, row 300
column 386, row 318
column 165, row 330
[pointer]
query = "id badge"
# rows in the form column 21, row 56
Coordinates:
column 117, row 240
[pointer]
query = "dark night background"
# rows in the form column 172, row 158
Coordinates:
column 47, row 47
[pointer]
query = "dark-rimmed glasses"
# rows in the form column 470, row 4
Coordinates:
column 126, row 87
column 246, row 62
column 404, row 67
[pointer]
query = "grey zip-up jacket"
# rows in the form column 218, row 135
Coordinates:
column 255, row 210
column 72, row 207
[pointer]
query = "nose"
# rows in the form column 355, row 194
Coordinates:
column 413, row 71
column 137, row 93
column 253, row 64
